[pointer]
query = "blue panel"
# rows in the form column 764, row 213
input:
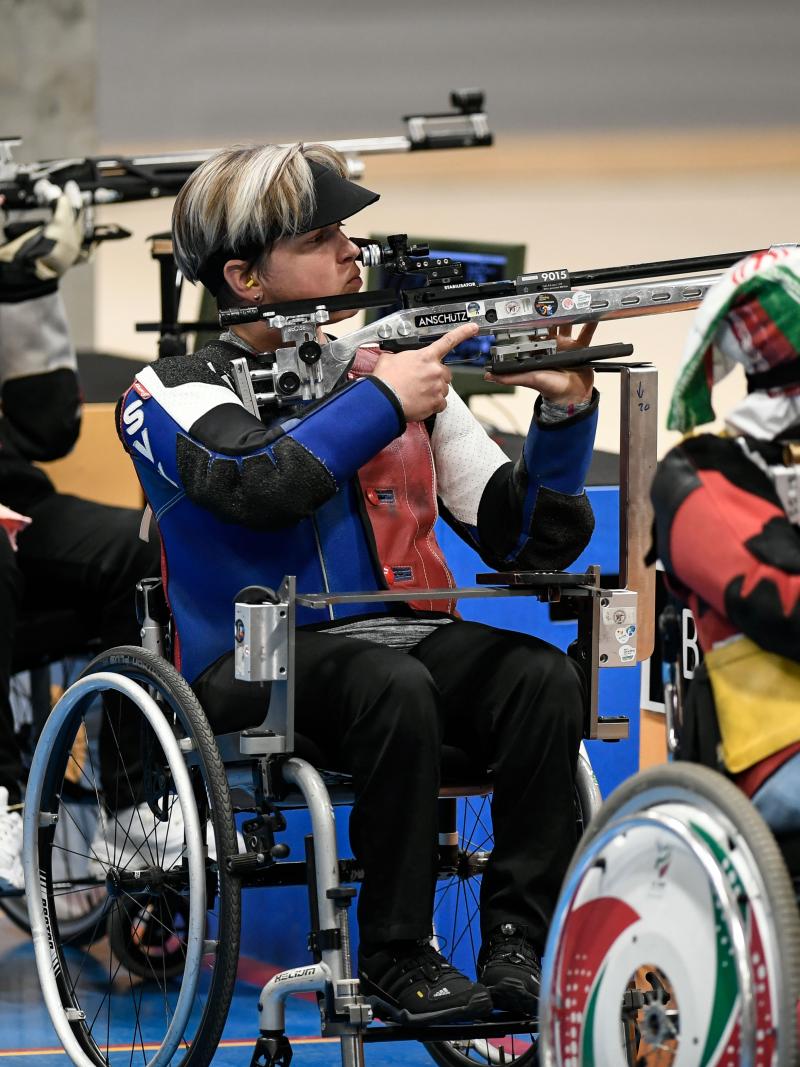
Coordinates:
column 619, row 688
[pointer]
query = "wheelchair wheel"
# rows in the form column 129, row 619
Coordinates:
column 157, row 983
column 676, row 938
column 457, row 919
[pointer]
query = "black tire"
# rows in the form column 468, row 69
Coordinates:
column 79, row 979
column 463, row 929
column 751, row 856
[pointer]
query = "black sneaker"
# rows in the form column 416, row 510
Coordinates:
column 511, row 970
column 410, row 982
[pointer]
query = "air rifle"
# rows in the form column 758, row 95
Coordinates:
column 522, row 315
column 112, row 179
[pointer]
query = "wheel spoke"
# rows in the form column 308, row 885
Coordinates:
column 131, row 790
column 163, row 925
column 138, row 1024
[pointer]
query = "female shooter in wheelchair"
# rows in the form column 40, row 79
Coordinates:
column 727, row 512
column 344, row 493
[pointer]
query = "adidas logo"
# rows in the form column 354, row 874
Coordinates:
column 443, row 992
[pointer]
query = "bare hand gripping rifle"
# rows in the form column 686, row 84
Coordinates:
column 521, row 315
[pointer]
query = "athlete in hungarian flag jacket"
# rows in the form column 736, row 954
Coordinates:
column 342, row 493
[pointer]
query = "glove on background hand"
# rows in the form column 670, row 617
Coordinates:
column 32, row 263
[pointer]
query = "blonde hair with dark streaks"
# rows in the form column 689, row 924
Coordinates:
column 246, row 196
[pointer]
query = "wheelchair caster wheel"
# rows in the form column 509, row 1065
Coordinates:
column 272, row 1051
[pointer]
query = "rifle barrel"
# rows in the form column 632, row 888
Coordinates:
column 660, row 268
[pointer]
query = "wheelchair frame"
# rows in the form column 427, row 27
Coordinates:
column 265, row 652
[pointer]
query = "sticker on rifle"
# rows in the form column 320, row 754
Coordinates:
column 517, row 306
column 567, row 303
column 475, row 308
column 441, row 318
column 624, row 633
column 581, row 301
column 627, row 653
column 546, row 304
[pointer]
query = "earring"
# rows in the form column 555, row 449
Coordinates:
column 250, row 282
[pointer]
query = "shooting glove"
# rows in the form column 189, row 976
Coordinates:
column 32, row 263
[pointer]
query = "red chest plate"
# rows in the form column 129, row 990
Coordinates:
column 399, row 489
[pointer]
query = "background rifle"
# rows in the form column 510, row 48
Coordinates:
column 114, row 179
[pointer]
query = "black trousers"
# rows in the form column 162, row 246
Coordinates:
column 513, row 702
column 78, row 555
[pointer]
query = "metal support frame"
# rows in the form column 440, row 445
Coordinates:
column 276, row 734
column 170, row 342
column 331, row 976
column 638, row 456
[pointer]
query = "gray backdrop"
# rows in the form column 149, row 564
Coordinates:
column 190, row 69
column 78, row 75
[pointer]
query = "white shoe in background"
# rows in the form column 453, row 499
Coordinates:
column 11, row 875
column 143, row 841
column 134, row 839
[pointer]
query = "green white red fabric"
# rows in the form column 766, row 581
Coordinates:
column 750, row 317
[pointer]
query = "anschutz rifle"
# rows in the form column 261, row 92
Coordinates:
column 521, row 315
column 112, row 179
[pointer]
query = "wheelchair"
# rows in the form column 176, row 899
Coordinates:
column 166, row 853
column 676, row 938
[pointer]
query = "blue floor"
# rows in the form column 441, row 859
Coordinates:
column 27, row 1036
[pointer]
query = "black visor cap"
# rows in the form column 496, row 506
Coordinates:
column 335, row 199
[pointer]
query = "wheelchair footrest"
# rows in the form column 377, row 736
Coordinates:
column 272, row 1050
column 502, row 1026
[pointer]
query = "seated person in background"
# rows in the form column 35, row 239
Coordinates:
column 60, row 552
column 344, row 493
column 727, row 512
